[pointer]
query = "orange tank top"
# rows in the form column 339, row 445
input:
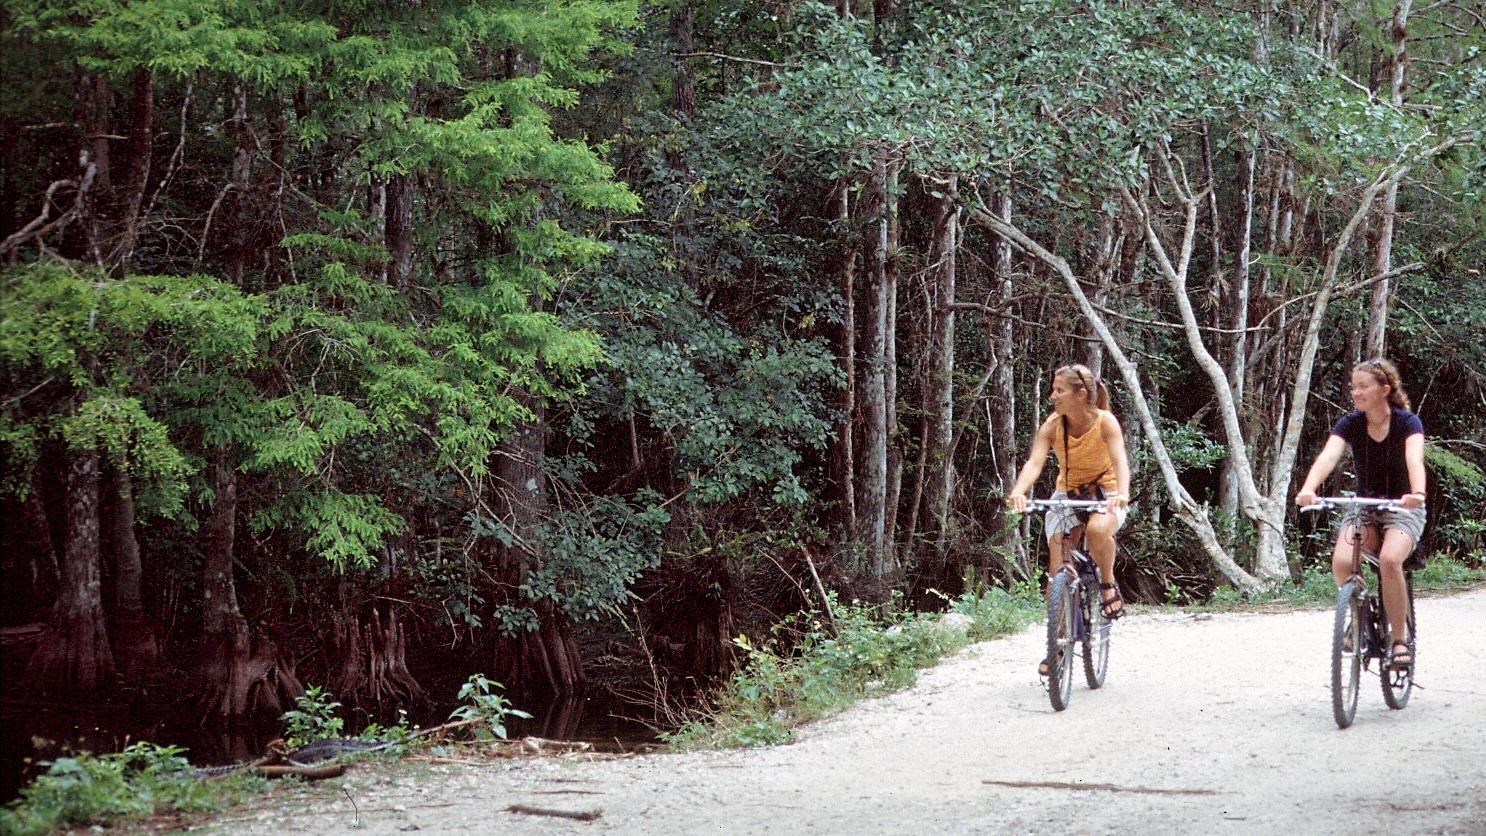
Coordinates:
column 1087, row 458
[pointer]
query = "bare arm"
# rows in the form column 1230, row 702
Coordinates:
column 1413, row 458
column 1324, row 464
column 1042, row 444
column 1114, row 441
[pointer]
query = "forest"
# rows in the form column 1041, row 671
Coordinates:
column 374, row 345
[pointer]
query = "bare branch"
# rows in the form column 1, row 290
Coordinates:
column 38, row 227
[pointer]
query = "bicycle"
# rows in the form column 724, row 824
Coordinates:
column 1360, row 631
column 1075, row 616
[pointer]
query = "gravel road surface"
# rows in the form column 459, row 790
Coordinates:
column 1207, row 724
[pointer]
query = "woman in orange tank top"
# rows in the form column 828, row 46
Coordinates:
column 1090, row 448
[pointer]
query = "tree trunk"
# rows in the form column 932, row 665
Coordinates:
column 871, row 491
column 890, row 379
column 548, row 655
column 241, row 182
column 399, row 231
column 1236, row 302
column 843, row 458
column 938, row 475
column 683, row 91
column 1003, row 392
column 141, row 154
column 1397, row 66
column 240, row 680
column 80, row 237
column 372, row 673
column 135, row 640
column 72, row 656
column 1106, row 261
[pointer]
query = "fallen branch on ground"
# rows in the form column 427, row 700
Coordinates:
column 1069, row 785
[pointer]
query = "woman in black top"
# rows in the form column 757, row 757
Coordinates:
column 1387, row 442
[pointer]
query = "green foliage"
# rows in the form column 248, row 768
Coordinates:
column 594, row 553
column 1444, row 573
column 485, row 708
column 95, row 361
column 866, row 654
column 1188, row 446
column 314, row 719
column 1462, row 484
column 398, row 732
column 97, row 790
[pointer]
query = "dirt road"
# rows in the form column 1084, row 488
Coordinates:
column 1207, row 724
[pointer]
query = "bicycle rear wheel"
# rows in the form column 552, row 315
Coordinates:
column 1060, row 604
column 1398, row 683
column 1346, row 654
column 1096, row 636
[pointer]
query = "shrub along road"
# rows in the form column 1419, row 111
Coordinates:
column 1208, row 723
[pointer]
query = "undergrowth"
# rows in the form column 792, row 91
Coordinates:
column 1317, row 587
column 139, row 781
column 146, row 779
column 831, row 666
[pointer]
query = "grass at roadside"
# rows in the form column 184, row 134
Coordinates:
column 1316, row 586
column 830, row 667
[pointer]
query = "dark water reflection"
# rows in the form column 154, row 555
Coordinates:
column 595, row 719
column 32, row 732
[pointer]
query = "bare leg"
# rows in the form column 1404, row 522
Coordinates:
column 1341, row 556
column 1396, row 549
column 1102, row 544
column 1102, row 549
column 1055, row 554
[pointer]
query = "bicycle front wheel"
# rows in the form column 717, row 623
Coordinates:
column 1346, row 653
column 1060, row 604
column 1096, row 637
column 1398, row 683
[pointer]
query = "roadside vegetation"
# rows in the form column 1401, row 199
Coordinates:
column 1316, row 587
column 836, row 663
column 147, row 780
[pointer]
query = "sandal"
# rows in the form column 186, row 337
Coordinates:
column 1045, row 667
column 1113, row 607
column 1400, row 656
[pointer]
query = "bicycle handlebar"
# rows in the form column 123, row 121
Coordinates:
column 1323, row 503
column 1076, row 504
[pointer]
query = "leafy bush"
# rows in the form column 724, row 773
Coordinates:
column 94, row 790
column 314, row 719
column 485, row 708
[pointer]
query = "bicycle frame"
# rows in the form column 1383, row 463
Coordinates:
column 1361, row 629
column 1073, row 602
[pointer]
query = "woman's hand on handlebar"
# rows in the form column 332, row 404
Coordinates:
column 1412, row 500
column 1017, row 502
column 1117, row 502
column 1305, row 498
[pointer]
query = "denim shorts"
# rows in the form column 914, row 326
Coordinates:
column 1063, row 520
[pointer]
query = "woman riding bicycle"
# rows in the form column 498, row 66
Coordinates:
column 1090, row 447
column 1387, row 442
